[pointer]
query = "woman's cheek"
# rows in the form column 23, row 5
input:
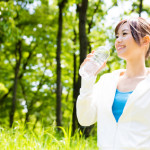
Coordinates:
column 129, row 38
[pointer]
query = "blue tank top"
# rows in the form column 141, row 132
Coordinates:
column 119, row 103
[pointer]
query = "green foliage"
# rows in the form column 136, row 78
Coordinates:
column 3, row 89
column 44, row 139
column 37, row 31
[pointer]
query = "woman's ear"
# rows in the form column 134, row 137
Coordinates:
column 146, row 40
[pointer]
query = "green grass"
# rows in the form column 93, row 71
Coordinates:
column 20, row 138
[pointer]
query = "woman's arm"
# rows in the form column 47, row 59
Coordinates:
column 87, row 102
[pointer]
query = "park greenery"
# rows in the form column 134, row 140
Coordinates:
column 42, row 44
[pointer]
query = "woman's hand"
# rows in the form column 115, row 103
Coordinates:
column 103, row 66
column 88, row 57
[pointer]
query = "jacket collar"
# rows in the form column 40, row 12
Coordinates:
column 142, row 87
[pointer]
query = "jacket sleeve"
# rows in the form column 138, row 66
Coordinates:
column 86, row 102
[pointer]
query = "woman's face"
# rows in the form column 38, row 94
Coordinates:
column 125, row 44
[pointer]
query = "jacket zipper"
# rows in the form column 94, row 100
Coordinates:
column 114, row 144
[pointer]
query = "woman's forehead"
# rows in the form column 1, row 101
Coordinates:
column 124, row 27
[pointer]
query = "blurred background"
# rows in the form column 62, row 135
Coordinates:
column 42, row 44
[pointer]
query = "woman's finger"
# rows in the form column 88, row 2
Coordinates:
column 87, row 59
column 89, row 55
column 93, row 51
column 103, row 66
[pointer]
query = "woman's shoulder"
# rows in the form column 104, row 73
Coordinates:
column 118, row 71
column 112, row 75
column 115, row 72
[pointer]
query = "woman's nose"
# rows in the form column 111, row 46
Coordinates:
column 119, row 39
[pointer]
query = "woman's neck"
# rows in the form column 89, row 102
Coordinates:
column 136, row 68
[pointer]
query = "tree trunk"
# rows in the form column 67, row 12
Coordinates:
column 87, row 130
column 91, row 22
column 140, row 7
column 82, row 30
column 59, row 86
column 74, row 118
column 58, row 90
column 18, row 62
column 82, row 9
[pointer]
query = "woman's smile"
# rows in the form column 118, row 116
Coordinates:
column 120, row 47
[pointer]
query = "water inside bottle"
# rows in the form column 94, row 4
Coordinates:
column 91, row 67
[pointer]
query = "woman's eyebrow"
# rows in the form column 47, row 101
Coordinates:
column 122, row 31
column 125, row 30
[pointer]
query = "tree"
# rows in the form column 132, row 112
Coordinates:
column 82, row 9
column 140, row 7
column 61, row 5
column 18, row 53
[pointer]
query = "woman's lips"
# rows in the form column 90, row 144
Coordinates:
column 120, row 47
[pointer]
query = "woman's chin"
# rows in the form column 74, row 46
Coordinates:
column 121, row 55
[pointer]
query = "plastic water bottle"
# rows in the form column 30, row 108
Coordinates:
column 90, row 68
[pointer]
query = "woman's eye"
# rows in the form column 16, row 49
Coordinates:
column 116, row 36
column 124, row 33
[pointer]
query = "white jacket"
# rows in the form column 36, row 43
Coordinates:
column 132, row 132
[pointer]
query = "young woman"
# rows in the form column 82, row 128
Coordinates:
column 120, row 101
